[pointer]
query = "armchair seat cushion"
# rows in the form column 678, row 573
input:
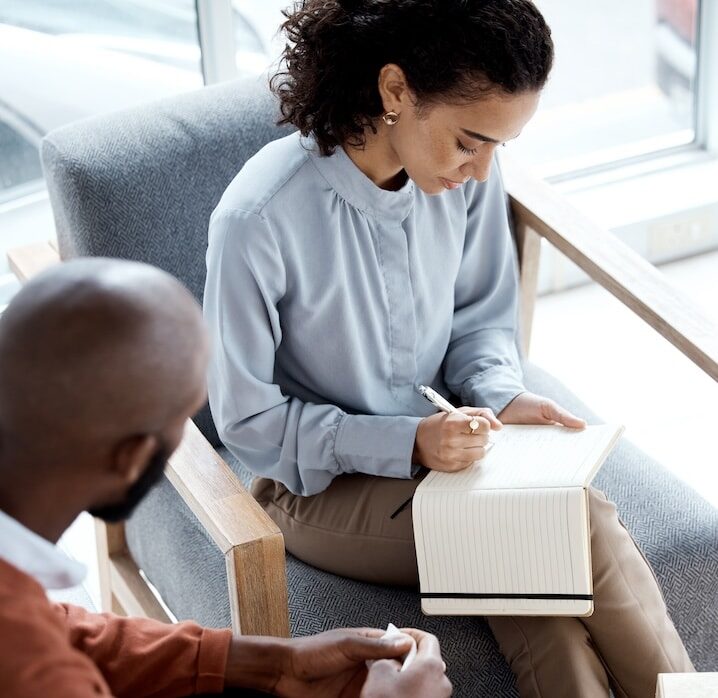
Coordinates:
column 675, row 527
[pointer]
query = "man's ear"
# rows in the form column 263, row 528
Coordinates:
column 131, row 456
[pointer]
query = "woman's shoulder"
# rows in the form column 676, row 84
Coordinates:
column 265, row 177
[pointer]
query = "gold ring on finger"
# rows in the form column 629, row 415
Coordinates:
column 474, row 425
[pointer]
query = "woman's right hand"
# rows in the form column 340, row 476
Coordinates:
column 425, row 677
column 445, row 442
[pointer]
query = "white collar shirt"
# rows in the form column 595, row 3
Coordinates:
column 37, row 557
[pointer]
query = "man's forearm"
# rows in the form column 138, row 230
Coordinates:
column 140, row 656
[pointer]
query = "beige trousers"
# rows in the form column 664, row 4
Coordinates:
column 627, row 641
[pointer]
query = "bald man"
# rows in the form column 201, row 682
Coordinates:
column 101, row 364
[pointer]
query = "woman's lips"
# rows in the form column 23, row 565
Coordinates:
column 450, row 184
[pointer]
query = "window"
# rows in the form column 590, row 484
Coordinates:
column 18, row 145
column 623, row 83
column 623, row 86
column 257, row 32
column 67, row 59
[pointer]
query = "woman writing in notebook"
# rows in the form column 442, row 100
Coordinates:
column 370, row 252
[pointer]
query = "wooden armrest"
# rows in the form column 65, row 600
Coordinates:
column 215, row 495
column 613, row 265
column 252, row 543
column 28, row 261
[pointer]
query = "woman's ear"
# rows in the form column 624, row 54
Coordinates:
column 394, row 89
column 132, row 455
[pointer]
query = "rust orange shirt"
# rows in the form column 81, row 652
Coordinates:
column 62, row 651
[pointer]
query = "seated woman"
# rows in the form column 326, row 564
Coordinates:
column 370, row 252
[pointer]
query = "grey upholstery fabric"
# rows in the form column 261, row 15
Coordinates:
column 676, row 528
column 140, row 185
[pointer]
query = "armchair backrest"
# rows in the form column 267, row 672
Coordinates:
column 141, row 183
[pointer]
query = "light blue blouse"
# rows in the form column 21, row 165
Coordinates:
column 330, row 299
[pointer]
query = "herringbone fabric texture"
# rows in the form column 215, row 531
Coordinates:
column 141, row 184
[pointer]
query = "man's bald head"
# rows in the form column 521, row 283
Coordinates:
column 96, row 350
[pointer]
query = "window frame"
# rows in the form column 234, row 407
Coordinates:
column 706, row 93
column 705, row 118
column 215, row 29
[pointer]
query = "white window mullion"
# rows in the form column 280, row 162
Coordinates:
column 707, row 78
column 216, row 39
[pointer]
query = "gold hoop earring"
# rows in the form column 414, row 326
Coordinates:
column 390, row 118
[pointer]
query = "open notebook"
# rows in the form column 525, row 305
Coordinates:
column 510, row 534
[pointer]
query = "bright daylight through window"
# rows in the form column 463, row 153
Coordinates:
column 68, row 59
column 622, row 85
column 75, row 58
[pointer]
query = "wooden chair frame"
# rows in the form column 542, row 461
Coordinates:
column 251, row 543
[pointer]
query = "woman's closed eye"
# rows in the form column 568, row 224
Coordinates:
column 464, row 149
column 472, row 151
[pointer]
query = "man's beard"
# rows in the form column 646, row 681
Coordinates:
column 113, row 513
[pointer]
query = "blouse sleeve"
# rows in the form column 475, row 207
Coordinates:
column 303, row 445
column 482, row 364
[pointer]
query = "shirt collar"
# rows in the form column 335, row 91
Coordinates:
column 357, row 189
column 37, row 557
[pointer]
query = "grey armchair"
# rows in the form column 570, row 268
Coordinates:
column 141, row 184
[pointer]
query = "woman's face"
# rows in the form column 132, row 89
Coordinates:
column 445, row 145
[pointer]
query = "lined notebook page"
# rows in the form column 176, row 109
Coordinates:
column 534, row 456
column 521, row 542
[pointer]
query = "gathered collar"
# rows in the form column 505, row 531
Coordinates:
column 357, row 189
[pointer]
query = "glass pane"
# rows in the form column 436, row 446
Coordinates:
column 67, row 59
column 256, row 28
column 622, row 83
column 18, row 155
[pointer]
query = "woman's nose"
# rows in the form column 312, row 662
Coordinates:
column 480, row 166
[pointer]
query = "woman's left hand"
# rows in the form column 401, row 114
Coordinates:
column 529, row 408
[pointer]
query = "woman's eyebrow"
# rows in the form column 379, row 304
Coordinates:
column 481, row 137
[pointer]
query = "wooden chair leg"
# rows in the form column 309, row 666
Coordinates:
column 116, row 607
column 529, row 249
column 122, row 588
column 110, row 540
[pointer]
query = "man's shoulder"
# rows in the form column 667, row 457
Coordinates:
column 24, row 606
column 15, row 582
column 35, row 643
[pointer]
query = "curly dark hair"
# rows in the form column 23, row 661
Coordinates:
column 449, row 50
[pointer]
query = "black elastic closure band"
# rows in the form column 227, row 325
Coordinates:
column 459, row 595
